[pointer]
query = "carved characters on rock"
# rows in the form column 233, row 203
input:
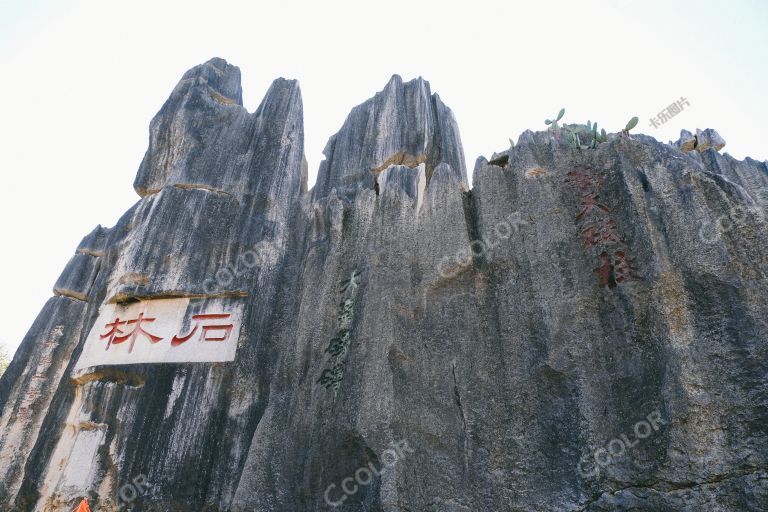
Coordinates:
column 599, row 230
column 173, row 330
column 39, row 377
column 114, row 329
column 338, row 347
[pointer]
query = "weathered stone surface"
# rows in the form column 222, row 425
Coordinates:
column 203, row 137
column 404, row 124
column 406, row 179
column 748, row 176
column 94, row 242
column 632, row 336
column 709, row 138
column 34, row 398
column 730, row 492
column 582, row 330
column 78, row 276
column 702, row 141
column 686, row 142
column 77, row 279
column 224, row 238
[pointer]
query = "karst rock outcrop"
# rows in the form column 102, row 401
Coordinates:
column 577, row 330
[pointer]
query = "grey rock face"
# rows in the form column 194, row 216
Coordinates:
column 582, row 330
column 404, row 124
column 77, row 277
column 709, row 138
column 412, row 181
column 219, row 189
column 203, row 137
column 687, row 141
column 94, row 242
column 34, row 398
column 702, row 141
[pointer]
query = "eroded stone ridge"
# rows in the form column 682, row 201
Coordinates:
column 404, row 124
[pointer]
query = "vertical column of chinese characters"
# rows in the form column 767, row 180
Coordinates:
column 599, row 230
column 338, row 348
column 35, row 388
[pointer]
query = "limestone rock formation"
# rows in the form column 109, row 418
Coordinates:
column 405, row 124
column 702, row 141
column 581, row 330
column 709, row 138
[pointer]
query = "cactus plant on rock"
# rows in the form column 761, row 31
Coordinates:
column 631, row 124
column 553, row 123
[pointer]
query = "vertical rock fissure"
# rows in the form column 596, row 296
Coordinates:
column 435, row 147
column 457, row 399
column 473, row 227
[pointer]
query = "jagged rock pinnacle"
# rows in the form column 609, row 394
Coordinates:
column 404, row 124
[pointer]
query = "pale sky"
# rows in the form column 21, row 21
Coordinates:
column 82, row 79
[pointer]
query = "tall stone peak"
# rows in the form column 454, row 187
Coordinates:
column 222, row 79
column 403, row 124
column 584, row 329
column 203, row 126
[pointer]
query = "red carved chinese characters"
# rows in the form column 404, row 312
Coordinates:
column 113, row 330
column 600, row 231
column 585, row 178
column 624, row 269
column 226, row 329
column 138, row 330
column 604, row 232
column 590, row 203
column 211, row 326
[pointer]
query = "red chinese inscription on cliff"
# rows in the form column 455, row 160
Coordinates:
column 600, row 232
column 168, row 330
column 209, row 330
column 204, row 323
